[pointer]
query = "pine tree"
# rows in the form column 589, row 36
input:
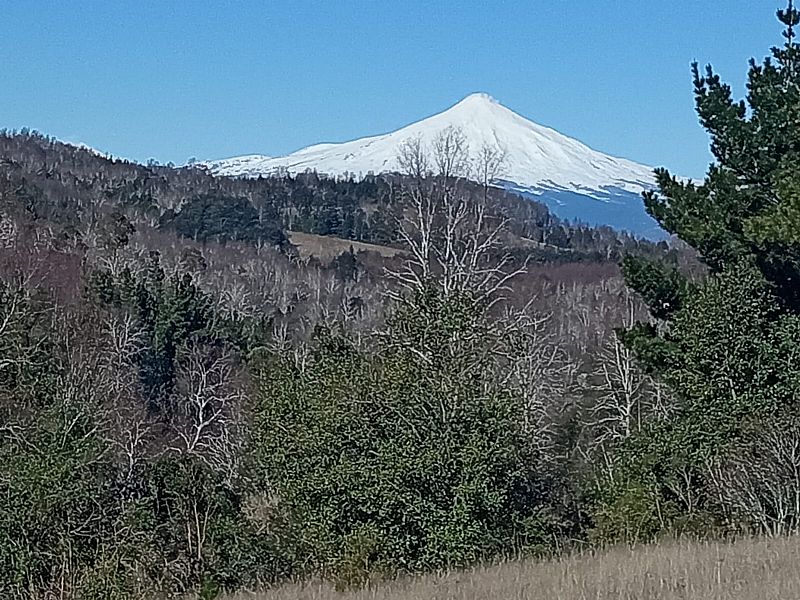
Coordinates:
column 727, row 345
column 745, row 215
column 748, row 207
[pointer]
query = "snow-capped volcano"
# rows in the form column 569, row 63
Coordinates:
column 576, row 181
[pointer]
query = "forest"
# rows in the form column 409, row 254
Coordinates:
column 441, row 373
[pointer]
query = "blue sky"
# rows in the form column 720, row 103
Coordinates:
column 212, row 79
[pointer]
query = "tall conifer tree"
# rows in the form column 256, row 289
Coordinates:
column 728, row 346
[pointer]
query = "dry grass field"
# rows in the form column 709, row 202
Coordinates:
column 328, row 247
column 764, row 569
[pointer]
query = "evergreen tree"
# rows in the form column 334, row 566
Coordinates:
column 727, row 345
column 747, row 207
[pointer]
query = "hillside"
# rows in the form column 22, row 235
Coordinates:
column 239, row 233
column 48, row 181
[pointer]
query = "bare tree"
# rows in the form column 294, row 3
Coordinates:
column 413, row 159
column 536, row 369
column 618, row 412
column 8, row 231
column 126, row 426
column 758, row 481
column 451, row 154
column 489, row 165
column 449, row 231
column 208, row 406
column 417, row 229
column 626, row 397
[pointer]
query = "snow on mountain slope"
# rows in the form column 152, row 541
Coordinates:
column 573, row 179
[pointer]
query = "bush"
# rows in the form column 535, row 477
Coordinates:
column 407, row 458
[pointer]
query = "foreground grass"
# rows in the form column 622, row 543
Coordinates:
column 765, row 569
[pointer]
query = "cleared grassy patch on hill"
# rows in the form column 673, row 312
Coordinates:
column 763, row 569
column 325, row 247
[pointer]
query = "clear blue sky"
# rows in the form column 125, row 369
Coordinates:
column 212, row 79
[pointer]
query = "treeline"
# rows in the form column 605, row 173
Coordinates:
column 77, row 189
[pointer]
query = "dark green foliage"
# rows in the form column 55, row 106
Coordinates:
column 169, row 310
column 26, row 366
column 662, row 287
column 169, row 314
column 61, row 525
column 72, row 519
column 59, row 514
column 731, row 356
column 221, row 219
column 66, row 525
column 197, row 521
column 746, row 205
column 409, row 459
column 101, row 499
column 727, row 347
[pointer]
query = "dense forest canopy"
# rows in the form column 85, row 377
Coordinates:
column 164, row 337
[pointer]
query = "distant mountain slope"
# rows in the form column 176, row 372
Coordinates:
column 73, row 189
column 575, row 181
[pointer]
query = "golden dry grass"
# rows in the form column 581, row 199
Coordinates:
column 325, row 247
column 764, row 569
